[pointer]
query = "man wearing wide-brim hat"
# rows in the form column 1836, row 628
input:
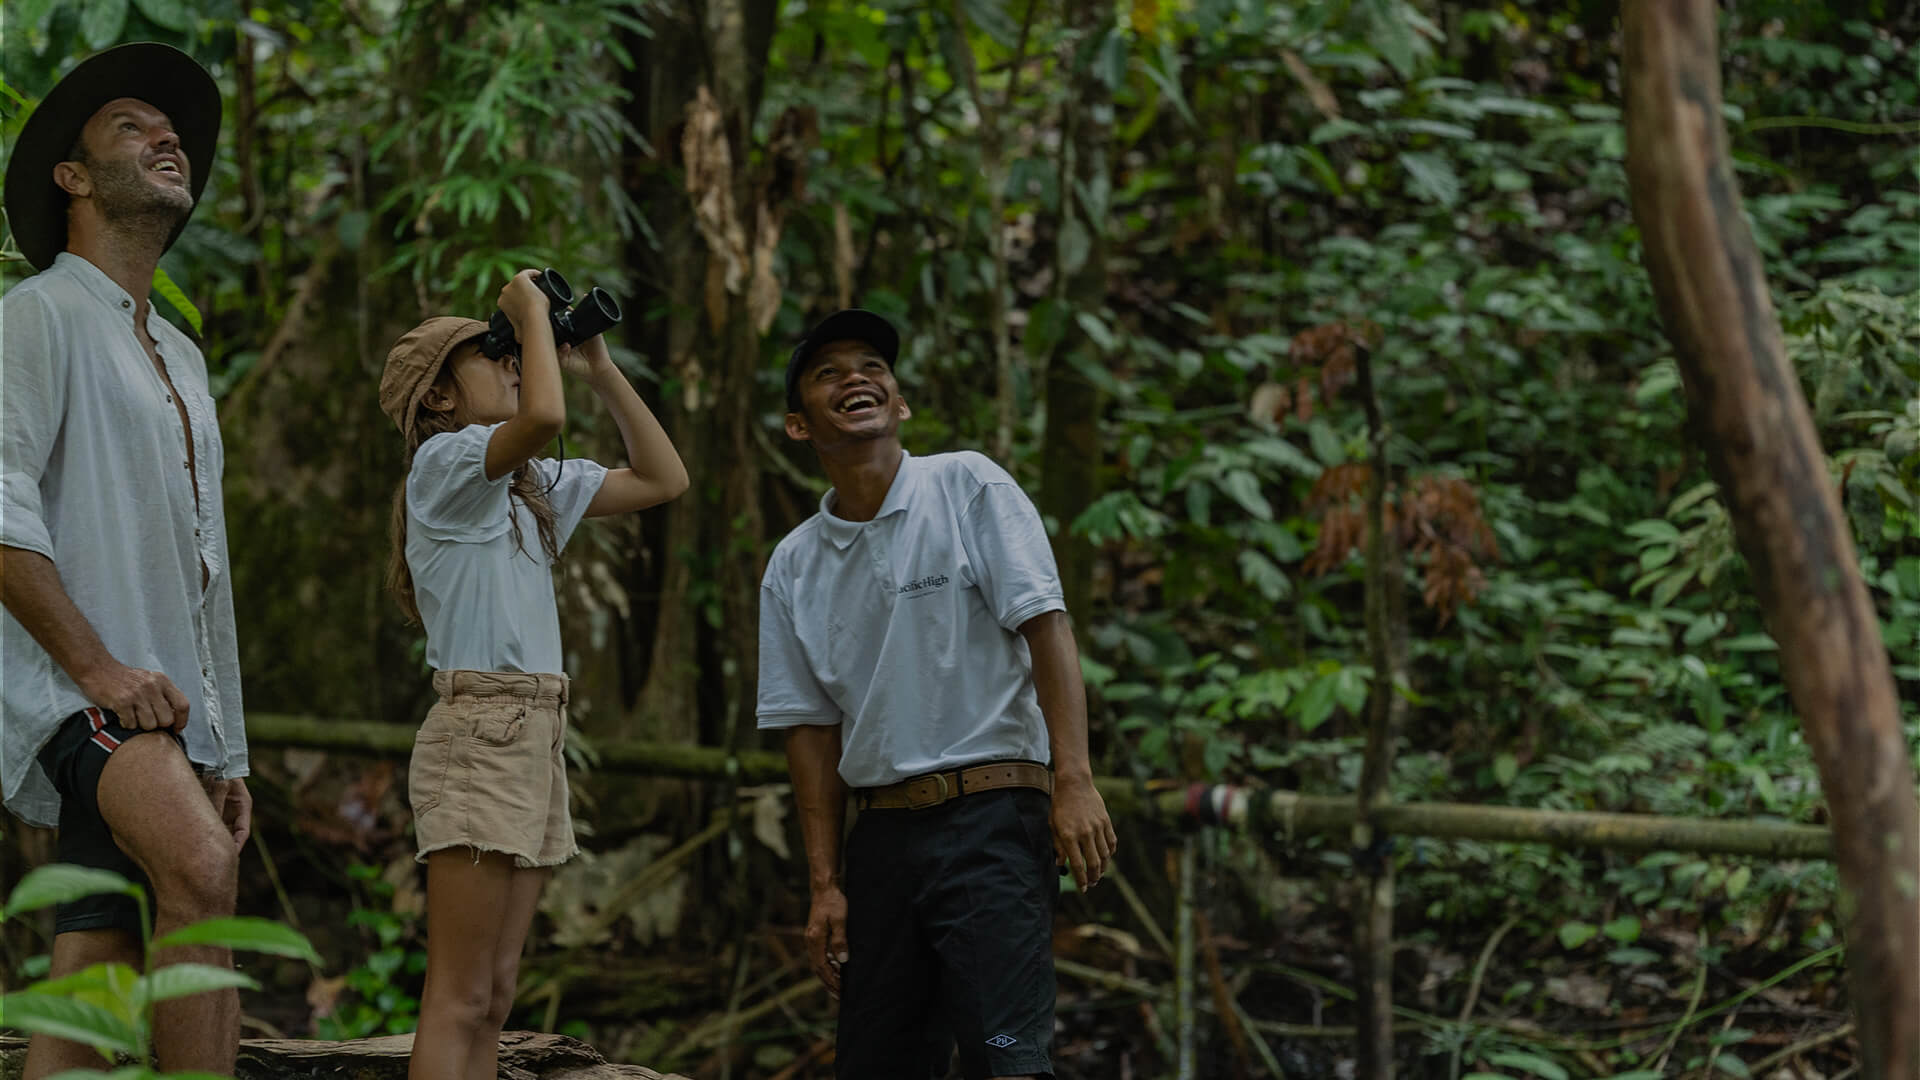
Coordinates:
column 120, row 714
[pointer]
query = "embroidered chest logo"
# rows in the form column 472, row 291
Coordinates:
column 926, row 586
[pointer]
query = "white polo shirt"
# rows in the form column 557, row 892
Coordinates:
column 904, row 629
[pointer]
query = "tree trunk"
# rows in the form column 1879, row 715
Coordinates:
column 1386, row 638
column 702, row 67
column 1070, row 457
column 1745, row 407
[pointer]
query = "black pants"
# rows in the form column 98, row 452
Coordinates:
column 950, row 940
column 73, row 759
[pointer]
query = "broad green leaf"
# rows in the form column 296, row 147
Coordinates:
column 1284, row 454
column 104, row 985
column 176, row 296
column 1096, row 329
column 1166, row 76
column 1244, row 488
column 61, row 883
column 182, row 980
column 1075, row 245
column 1738, row 880
column 1533, row 1063
column 64, row 1018
column 1259, row 571
column 1731, row 1065
column 990, row 17
column 1315, row 703
column 100, row 22
column 1575, row 934
column 1505, row 768
column 243, row 932
column 1625, row 929
column 171, row 14
column 1430, row 178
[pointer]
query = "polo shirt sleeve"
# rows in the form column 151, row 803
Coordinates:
column 1012, row 559
column 790, row 695
column 448, row 493
column 578, row 481
column 33, row 387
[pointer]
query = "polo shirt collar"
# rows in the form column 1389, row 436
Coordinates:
column 843, row 532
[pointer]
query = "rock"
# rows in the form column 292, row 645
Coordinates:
column 524, row 1055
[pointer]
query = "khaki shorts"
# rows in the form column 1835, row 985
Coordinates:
column 488, row 772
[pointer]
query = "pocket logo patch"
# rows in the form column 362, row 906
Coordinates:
column 1002, row 1041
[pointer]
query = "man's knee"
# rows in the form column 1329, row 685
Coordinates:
column 197, row 877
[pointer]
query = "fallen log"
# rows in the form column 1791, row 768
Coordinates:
column 524, row 1055
column 1262, row 812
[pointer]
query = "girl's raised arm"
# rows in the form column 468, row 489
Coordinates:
column 655, row 473
column 543, row 408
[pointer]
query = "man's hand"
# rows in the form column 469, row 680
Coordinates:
column 1083, row 835
column 142, row 699
column 234, row 803
column 827, row 935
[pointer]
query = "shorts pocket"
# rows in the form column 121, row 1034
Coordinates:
column 499, row 725
column 427, row 769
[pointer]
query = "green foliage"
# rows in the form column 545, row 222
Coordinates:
column 109, row 1007
column 382, row 1003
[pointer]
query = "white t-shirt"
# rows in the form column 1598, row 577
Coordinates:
column 487, row 603
column 904, row 629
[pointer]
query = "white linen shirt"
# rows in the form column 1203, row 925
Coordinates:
column 94, row 475
column 904, row 630
column 487, row 603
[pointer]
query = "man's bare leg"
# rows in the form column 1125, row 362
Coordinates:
column 160, row 815
column 74, row 951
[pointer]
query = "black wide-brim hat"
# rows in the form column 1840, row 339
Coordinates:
column 847, row 324
column 160, row 75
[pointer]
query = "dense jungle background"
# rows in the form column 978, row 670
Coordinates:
column 1130, row 245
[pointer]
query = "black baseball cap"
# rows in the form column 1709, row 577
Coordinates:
column 847, row 324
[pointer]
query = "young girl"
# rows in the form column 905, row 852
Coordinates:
column 478, row 523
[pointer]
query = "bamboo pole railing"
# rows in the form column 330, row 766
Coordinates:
column 1287, row 814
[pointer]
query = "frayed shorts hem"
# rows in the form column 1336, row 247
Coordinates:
column 521, row 860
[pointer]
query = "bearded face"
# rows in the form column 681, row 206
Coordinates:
column 140, row 180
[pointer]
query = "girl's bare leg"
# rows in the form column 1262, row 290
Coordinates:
column 523, row 894
column 466, row 898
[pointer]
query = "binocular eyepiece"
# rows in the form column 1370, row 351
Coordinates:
column 573, row 323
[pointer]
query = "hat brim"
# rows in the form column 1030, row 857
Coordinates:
column 160, row 75
column 850, row 324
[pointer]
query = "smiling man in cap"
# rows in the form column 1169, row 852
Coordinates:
column 120, row 714
column 916, row 650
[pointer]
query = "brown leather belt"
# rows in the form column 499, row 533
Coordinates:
column 925, row 792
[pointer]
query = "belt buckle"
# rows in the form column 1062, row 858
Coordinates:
column 945, row 794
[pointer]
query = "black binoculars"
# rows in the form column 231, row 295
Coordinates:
column 596, row 313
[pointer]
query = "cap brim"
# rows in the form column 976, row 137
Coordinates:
column 160, row 75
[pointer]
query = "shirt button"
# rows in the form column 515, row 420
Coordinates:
column 126, row 303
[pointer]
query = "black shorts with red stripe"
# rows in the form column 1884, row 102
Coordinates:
column 73, row 759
